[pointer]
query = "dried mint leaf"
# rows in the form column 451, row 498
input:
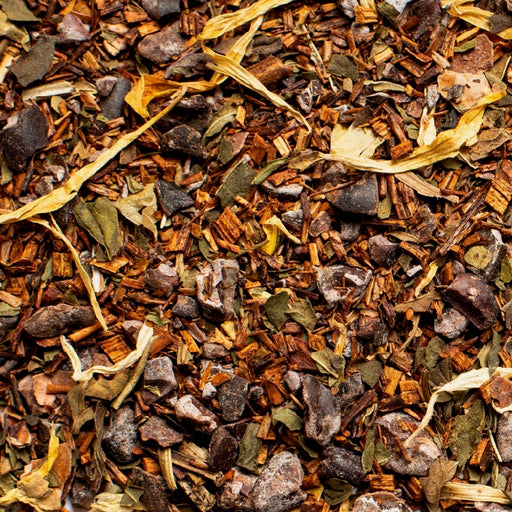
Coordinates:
column 369, row 451
column 337, row 491
column 6, row 310
column 225, row 152
column 385, row 207
column 10, row 30
column 328, row 362
column 224, row 116
column 288, row 417
column 276, row 309
column 303, row 313
column 100, row 220
column 468, row 45
column 382, row 455
column 370, row 372
column 140, row 208
column 432, row 357
column 506, row 270
column 467, row 432
column 343, row 66
column 108, row 389
column 268, row 170
column 500, row 22
column 237, row 183
column 249, row 449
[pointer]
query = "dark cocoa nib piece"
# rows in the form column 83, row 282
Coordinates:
column 361, row 198
column 323, row 418
column 171, row 197
column 56, row 320
column 340, row 282
column 350, row 389
column 156, row 496
column 504, row 436
column 236, row 494
column 159, row 375
column 381, row 501
column 338, row 462
column 196, row 414
column 421, row 452
column 383, row 251
column 473, row 297
column 163, row 277
column 186, row 307
column 160, row 47
column 451, row 324
column 158, row 430
column 193, row 111
column 184, row 139
column 27, row 135
column 223, row 450
column 121, row 437
column 159, row 8
column 216, row 287
column 278, row 488
column 82, row 496
column 112, row 106
column 72, row 30
column 231, row 396
column 423, row 13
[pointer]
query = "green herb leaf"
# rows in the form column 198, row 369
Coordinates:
column 224, row 116
column 328, row 362
column 34, row 65
column 100, row 220
column 467, row 432
column 288, row 417
column 369, row 451
column 249, row 449
column 343, row 66
column 16, row 10
column 276, row 309
column 303, row 313
column 478, row 256
column 337, row 492
column 237, row 183
column 382, row 455
column 268, row 170
column 6, row 310
column 370, row 372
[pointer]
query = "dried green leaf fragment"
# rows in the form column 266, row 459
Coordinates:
column 303, row 313
column 343, row 66
column 369, row 451
column 467, row 432
column 249, row 449
column 328, row 362
column 237, row 182
column 370, row 372
column 276, row 309
column 100, row 220
column 288, row 417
